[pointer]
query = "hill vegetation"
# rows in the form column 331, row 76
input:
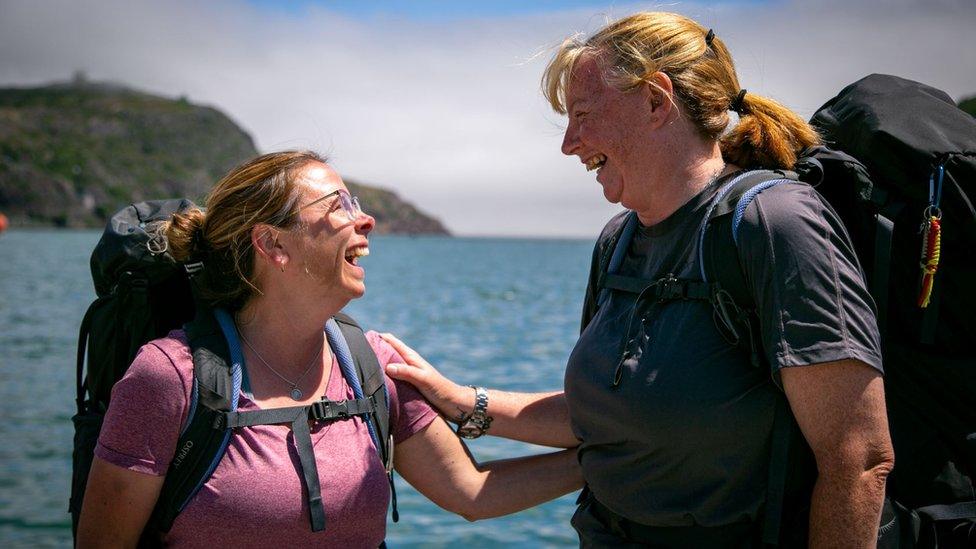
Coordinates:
column 968, row 104
column 72, row 154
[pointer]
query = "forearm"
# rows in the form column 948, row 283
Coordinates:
column 537, row 418
column 846, row 508
column 511, row 485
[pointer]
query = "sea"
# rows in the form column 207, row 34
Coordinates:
column 502, row 313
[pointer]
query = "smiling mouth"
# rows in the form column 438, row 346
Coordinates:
column 595, row 162
column 353, row 255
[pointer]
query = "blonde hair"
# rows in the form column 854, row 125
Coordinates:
column 261, row 190
column 704, row 81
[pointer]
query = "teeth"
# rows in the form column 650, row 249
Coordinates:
column 595, row 162
column 357, row 252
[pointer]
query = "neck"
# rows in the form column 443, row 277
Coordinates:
column 286, row 332
column 681, row 168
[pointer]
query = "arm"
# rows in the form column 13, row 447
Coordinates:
column 840, row 409
column 537, row 418
column 137, row 440
column 439, row 465
column 117, row 505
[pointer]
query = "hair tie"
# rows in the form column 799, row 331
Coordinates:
column 736, row 105
column 200, row 245
column 709, row 37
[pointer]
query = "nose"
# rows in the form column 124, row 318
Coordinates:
column 365, row 223
column 571, row 139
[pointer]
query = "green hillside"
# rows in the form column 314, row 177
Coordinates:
column 968, row 104
column 71, row 154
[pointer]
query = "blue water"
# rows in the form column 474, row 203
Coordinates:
column 501, row 313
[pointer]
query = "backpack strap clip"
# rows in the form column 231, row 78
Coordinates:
column 193, row 269
column 670, row 288
column 327, row 410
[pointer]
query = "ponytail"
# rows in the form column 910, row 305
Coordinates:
column 768, row 134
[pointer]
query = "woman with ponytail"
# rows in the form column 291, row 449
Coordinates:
column 676, row 425
column 280, row 243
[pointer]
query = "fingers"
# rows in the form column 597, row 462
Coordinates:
column 403, row 372
column 401, row 347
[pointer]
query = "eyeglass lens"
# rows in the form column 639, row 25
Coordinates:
column 350, row 204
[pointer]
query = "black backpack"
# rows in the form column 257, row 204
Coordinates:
column 142, row 295
column 902, row 153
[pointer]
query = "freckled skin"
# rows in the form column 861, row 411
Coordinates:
column 656, row 158
column 607, row 121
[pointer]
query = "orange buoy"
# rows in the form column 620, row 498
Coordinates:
column 4, row 222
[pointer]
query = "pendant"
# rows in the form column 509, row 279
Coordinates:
column 296, row 393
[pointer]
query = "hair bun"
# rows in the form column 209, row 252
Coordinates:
column 185, row 235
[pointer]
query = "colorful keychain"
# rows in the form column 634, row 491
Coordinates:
column 931, row 230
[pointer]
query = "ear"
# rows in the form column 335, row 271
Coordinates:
column 659, row 91
column 268, row 247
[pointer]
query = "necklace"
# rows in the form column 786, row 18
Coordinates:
column 296, row 393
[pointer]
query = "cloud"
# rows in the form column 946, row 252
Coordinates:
column 448, row 112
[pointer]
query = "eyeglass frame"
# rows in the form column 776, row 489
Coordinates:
column 348, row 203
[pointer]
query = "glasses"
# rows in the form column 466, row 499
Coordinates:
column 637, row 338
column 349, row 203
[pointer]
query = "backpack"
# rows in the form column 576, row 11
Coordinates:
column 903, row 156
column 142, row 295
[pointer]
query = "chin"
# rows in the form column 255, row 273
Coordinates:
column 355, row 290
column 611, row 195
column 611, row 191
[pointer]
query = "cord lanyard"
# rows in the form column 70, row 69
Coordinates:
column 931, row 231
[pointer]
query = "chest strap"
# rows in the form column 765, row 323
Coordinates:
column 298, row 417
column 667, row 288
column 323, row 410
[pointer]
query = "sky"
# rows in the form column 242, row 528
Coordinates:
column 440, row 101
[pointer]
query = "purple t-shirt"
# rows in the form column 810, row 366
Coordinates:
column 255, row 497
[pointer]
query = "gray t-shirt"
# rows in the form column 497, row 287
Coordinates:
column 684, row 439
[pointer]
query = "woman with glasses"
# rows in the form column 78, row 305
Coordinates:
column 685, row 440
column 280, row 241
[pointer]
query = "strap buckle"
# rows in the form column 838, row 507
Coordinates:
column 324, row 410
column 194, row 268
column 670, row 288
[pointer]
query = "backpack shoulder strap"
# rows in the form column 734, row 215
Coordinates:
column 718, row 237
column 613, row 255
column 373, row 382
column 735, row 309
column 217, row 360
column 370, row 375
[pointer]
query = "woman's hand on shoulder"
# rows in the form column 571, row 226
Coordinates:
column 450, row 399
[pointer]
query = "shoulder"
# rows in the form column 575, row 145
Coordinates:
column 163, row 363
column 612, row 227
column 148, row 406
column 608, row 235
column 788, row 210
column 385, row 353
column 410, row 411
